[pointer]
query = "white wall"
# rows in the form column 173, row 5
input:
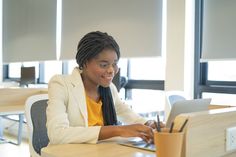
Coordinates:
column 1, row 41
column 189, row 48
column 179, row 46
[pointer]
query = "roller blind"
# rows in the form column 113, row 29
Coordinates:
column 135, row 24
column 219, row 30
column 29, row 30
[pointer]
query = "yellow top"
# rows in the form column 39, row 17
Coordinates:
column 95, row 117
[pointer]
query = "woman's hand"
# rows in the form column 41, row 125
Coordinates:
column 134, row 130
column 137, row 130
column 153, row 124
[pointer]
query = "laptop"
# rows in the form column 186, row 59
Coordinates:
column 187, row 106
column 183, row 106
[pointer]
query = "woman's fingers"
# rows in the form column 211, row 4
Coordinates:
column 146, row 137
column 138, row 130
column 153, row 124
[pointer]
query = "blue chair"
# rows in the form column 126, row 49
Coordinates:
column 172, row 97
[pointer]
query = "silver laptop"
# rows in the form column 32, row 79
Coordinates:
column 187, row 106
column 183, row 106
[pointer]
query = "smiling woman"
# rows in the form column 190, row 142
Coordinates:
column 85, row 107
column 100, row 69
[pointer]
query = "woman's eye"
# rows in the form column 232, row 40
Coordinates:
column 104, row 65
column 115, row 65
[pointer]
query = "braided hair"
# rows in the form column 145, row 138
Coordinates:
column 90, row 46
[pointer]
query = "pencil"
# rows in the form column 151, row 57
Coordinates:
column 182, row 128
column 158, row 124
column 171, row 127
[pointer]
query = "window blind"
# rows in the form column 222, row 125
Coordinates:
column 135, row 24
column 219, row 33
column 29, row 30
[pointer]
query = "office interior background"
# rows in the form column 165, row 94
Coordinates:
column 166, row 45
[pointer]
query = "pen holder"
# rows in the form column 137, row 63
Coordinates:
column 168, row 144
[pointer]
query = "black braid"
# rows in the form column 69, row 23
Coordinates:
column 108, row 109
column 92, row 44
column 89, row 46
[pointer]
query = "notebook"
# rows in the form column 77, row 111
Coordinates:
column 183, row 106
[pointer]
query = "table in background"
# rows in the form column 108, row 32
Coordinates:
column 12, row 102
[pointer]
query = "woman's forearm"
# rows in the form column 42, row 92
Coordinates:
column 134, row 130
column 108, row 132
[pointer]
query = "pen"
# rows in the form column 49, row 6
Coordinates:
column 158, row 124
column 171, row 127
column 182, row 128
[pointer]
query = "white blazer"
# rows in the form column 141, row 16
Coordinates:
column 67, row 117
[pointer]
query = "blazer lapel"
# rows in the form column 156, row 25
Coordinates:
column 79, row 93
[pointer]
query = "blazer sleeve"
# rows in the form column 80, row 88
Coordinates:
column 61, row 129
column 124, row 113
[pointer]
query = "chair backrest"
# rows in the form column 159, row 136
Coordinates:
column 35, row 112
column 119, row 81
column 172, row 97
column 27, row 76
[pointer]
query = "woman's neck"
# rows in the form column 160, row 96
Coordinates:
column 91, row 90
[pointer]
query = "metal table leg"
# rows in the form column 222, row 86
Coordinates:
column 19, row 136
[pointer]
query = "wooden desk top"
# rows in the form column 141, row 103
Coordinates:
column 13, row 99
column 106, row 149
column 18, row 96
column 11, row 109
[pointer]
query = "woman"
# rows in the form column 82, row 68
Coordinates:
column 84, row 107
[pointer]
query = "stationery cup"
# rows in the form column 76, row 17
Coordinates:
column 168, row 144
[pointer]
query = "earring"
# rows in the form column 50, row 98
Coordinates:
column 80, row 70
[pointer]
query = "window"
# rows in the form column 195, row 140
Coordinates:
column 145, row 85
column 51, row 68
column 15, row 69
column 213, row 79
column 147, row 68
column 71, row 65
column 221, row 70
column 146, row 101
column 221, row 98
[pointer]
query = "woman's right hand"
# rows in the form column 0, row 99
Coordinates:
column 136, row 130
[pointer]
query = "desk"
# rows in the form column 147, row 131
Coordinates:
column 205, row 134
column 106, row 149
column 100, row 150
column 12, row 110
column 204, row 137
column 12, row 102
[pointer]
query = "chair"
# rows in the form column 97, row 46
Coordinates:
column 119, row 81
column 172, row 97
column 35, row 112
column 27, row 76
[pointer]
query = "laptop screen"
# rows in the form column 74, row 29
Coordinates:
column 187, row 106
